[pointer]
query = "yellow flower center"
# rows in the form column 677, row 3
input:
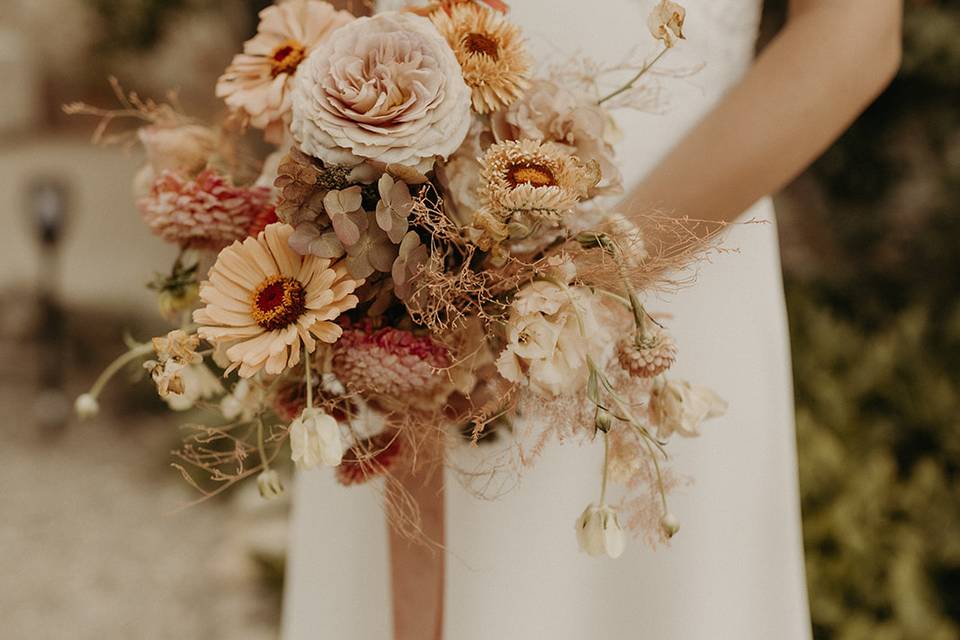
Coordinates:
column 277, row 302
column 286, row 57
column 480, row 43
column 533, row 174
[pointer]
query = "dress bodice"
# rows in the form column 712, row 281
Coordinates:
column 687, row 81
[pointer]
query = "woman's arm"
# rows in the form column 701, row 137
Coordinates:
column 828, row 63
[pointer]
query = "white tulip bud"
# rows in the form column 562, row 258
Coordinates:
column 670, row 525
column 315, row 440
column 599, row 531
column 269, row 484
column 86, row 406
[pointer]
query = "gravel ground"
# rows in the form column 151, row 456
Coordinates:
column 91, row 548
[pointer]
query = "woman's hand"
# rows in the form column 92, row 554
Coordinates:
column 829, row 62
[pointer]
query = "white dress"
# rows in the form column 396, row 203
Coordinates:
column 735, row 570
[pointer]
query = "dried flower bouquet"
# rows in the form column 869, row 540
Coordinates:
column 428, row 261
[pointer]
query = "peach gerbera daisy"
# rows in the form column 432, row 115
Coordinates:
column 257, row 83
column 263, row 299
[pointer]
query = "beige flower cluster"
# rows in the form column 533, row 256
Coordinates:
column 428, row 244
column 551, row 332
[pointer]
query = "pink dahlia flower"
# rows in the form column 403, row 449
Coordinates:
column 206, row 212
column 390, row 362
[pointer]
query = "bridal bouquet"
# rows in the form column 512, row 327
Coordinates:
column 426, row 261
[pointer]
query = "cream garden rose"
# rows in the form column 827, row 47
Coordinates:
column 548, row 339
column 387, row 89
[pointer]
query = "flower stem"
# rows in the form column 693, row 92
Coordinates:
column 606, row 468
column 573, row 305
column 660, row 487
column 260, row 447
column 121, row 361
column 629, row 85
column 308, row 366
column 613, row 296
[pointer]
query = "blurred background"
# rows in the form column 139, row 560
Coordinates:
column 94, row 547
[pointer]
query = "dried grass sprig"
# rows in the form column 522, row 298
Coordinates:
column 132, row 106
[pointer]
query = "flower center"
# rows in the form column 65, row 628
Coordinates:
column 533, row 174
column 479, row 43
column 277, row 302
column 286, row 57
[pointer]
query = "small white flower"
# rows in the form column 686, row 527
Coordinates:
column 680, row 407
column 315, row 440
column 269, row 484
column 86, row 406
column 198, row 383
column 243, row 403
column 666, row 22
column 599, row 531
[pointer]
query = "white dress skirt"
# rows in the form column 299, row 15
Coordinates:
column 735, row 570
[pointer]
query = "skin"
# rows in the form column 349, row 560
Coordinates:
column 417, row 569
column 829, row 62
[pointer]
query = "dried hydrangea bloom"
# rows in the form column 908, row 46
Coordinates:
column 367, row 246
column 373, row 250
column 411, row 257
column 527, row 182
column 666, row 22
column 386, row 88
column 394, row 208
column 302, row 183
column 551, row 112
column 258, row 81
column 205, row 212
column 391, row 362
column 263, row 300
column 489, row 47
